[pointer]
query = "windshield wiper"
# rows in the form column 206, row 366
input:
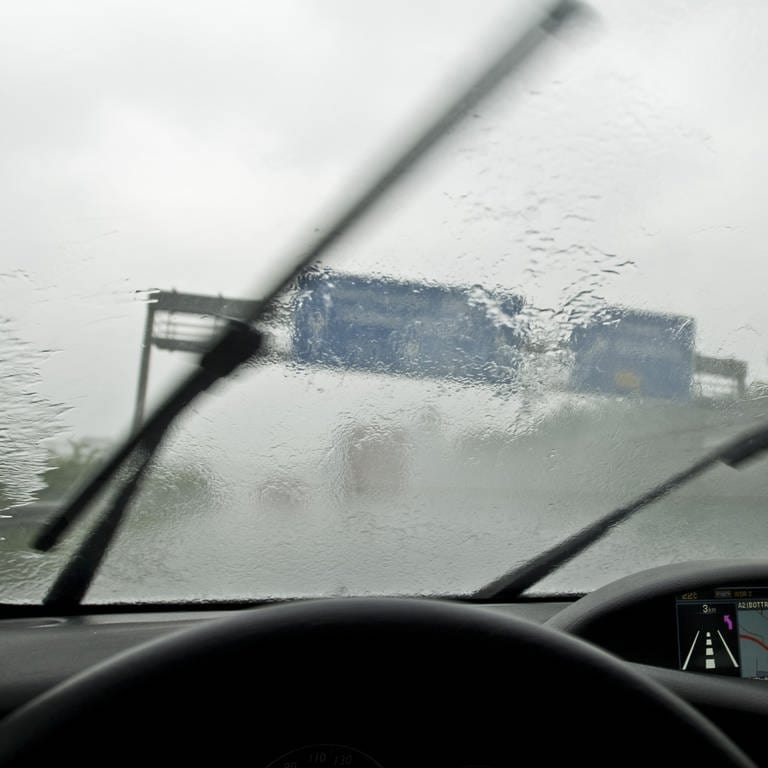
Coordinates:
column 241, row 342
column 512, row 584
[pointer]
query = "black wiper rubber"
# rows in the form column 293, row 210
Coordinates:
column 228, row 352
column 747, row 447
column 239, row 343
column 513, row 583
column 72, row 583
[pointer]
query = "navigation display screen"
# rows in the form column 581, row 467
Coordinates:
column 724, row 631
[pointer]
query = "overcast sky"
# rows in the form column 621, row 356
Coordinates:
column 188, row 145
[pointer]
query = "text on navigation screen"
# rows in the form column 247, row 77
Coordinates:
column 724, row 631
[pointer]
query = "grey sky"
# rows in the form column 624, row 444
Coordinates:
column 185, row 144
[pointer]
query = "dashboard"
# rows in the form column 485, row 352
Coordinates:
column 698, row 629
column 708, row 618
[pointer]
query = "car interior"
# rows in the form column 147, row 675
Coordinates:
column 398, row 681
column 664, row 665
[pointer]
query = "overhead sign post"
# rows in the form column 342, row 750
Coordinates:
column 183, row 322
column 724, row 376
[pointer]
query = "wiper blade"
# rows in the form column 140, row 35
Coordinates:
column 240, row 343
column 72, row 583
column 512, row 584
column 235, row 346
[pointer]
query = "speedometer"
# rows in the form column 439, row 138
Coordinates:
column 324, row 756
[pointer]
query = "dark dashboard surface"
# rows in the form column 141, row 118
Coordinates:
column 637, row 619
column 38, row 653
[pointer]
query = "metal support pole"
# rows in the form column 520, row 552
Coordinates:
column 146, row 349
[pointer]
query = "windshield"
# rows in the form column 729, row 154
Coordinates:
column 556, row 311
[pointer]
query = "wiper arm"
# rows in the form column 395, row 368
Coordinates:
column 237, row 345
column 512, row 584
column 240, row 343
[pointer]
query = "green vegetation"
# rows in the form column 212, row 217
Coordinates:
column 70, row 466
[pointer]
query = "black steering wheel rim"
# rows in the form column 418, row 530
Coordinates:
column 408, row 681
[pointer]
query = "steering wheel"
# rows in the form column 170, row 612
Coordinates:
column 363, row 682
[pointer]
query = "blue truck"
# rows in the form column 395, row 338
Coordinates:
column 627, row 351
column 393, row 326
